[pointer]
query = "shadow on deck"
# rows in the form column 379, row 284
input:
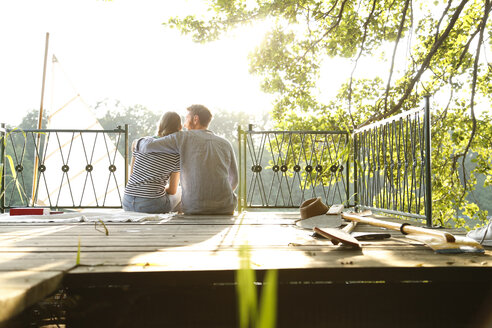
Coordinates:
column 181, row 273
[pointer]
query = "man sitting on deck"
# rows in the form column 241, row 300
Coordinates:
column 209, row 173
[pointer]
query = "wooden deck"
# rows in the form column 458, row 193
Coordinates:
column 196, row 255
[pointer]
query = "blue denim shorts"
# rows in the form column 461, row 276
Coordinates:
column 146, row 205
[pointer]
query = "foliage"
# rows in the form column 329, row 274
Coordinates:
column 252, row 314
column 77, row 258
column 141, row 121
column 450, row 195
column 436, row 48
column 226, row 122
column 18, row 185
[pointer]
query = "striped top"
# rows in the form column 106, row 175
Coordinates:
column 151, row 173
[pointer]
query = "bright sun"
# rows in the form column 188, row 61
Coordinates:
column 120, row 50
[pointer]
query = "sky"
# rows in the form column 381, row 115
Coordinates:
column 119, row 50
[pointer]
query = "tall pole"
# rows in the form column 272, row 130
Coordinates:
column 40, row 123
column 126, row 154
column 356, row 173
column 240, row 189
column 428, row 154
column 2, row 173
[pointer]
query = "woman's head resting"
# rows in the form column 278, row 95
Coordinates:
column 170, row 123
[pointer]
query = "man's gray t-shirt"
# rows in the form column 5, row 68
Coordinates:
column 209, row 173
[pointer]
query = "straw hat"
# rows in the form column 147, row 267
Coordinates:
column 312, row 207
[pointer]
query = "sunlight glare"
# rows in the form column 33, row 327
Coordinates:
column 119, row 50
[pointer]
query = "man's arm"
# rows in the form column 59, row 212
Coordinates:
column 167, row 144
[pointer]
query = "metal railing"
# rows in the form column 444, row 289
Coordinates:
column 278, row 169
column 392, row 161
column 281, row 169
column 58, row 168
column 391, row 167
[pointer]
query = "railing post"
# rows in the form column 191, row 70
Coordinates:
column 240, row 189
column 2, row 156
column 428, row 173
column 356, row 187
column 243, row 176
column 126, row 154
column 347, row 171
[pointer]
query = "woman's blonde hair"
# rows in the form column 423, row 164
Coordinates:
column 170, row 123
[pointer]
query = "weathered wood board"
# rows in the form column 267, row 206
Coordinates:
column 34, row 258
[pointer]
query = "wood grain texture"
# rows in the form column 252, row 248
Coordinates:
column 34, row 258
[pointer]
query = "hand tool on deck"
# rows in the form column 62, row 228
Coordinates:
column 439, row 241
column 346, row 237
column 361, row 235
column 341, row 236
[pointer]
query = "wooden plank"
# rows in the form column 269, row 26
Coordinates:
column 247, row 218
column 262, row 258
column 274, row 259
column 21, row 289
column 194, row 244
column 152, row 276
column 150, row 246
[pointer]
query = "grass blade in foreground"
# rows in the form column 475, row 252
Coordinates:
column 249, row 314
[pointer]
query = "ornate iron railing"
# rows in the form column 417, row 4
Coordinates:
column 58, row 168
column 393, row 165
column 281, row 169
column 278, row 169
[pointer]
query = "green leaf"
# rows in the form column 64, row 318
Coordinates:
column 246, row 289
column 268, row 303
column 14, row 175
column 77, row 260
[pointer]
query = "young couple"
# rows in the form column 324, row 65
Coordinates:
column 206, row 163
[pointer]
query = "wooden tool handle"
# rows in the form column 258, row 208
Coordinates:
column 404, row 228
column 350, row 226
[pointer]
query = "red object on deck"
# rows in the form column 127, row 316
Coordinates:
column 29, row 211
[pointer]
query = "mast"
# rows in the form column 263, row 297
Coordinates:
column 40, row 122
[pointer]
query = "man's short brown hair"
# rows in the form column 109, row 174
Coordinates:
column 203, row 113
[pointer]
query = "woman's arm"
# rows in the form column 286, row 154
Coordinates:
column 173, row 183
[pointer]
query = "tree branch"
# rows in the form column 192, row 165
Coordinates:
column 482, row 27
column 423, row 67
column 442, row 17
column 339, row 18
column 324, row 15
column 400, row 31
column 366, row 24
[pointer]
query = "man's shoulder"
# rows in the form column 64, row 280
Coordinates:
column 173, row 136
column 207, row 135
column 219, row 139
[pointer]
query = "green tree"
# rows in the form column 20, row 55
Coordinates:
column 225, row 123
column 20, row 150
column 141, row 121
column 436, row 48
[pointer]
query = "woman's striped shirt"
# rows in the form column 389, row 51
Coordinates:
column 151, row 173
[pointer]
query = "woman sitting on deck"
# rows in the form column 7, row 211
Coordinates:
column 154, row 177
